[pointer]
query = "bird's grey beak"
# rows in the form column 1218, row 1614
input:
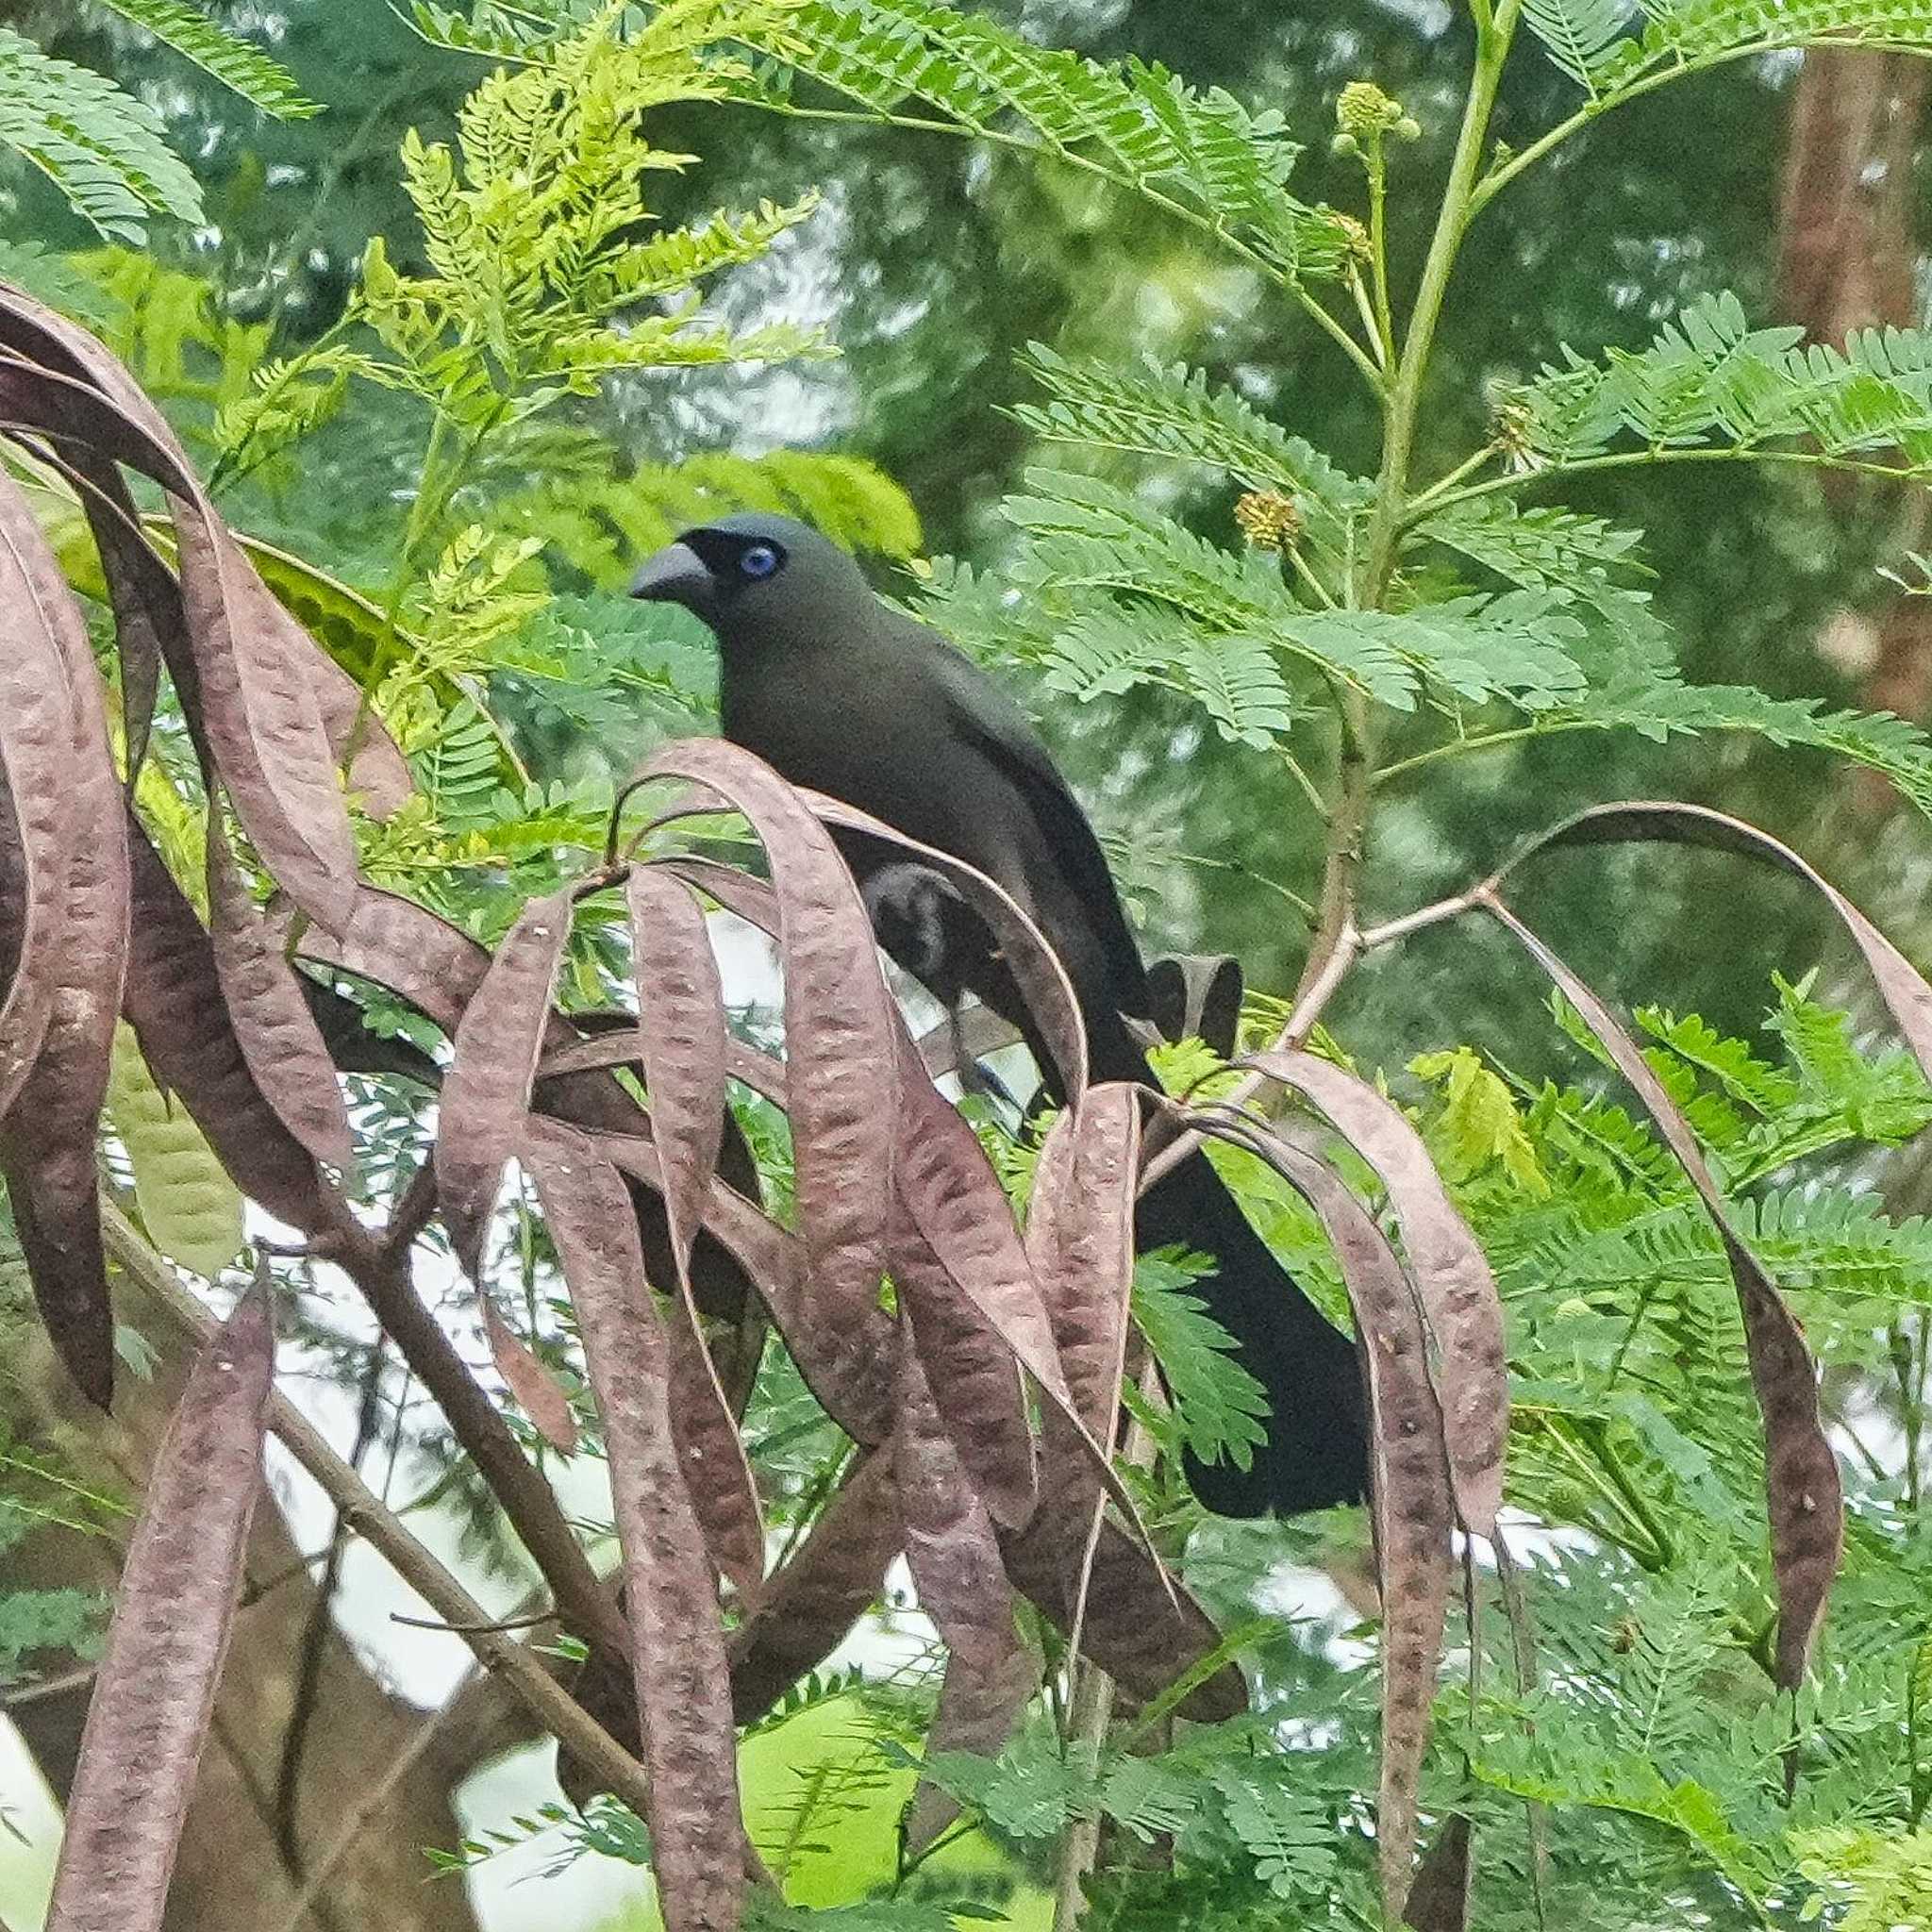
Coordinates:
column 675, row 574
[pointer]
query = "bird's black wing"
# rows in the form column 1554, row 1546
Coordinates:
column 988, row 718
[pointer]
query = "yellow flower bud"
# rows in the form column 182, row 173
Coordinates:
column 1268, row 520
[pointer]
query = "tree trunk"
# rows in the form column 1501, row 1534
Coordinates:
column 1848, row 259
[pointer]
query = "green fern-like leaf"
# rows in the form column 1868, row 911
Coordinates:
column 103, row 149
column 1028, row 1792
column 1237, row 683
column 680, row 258
column 489, row 31
column 1200, row 152
column 1174, row 412
column 1106, row 649
column 1593, row 41
column 1088, row 535
column 1703, row 31
column 1217, row 1403
column 1833, row 1241
column 1478, row 1125
column 1877, row 741
column 1874, row 1878
column 1288, row 1833
column 1520, row 646
column 48, row 1621
column 1538, row 548
column 1584, row 37
column 1883, row 1094
column 460, row 769
column 235, row 63
column 1711, row 379
column 1766, row 1090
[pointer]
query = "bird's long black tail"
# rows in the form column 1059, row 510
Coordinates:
column 1317, row 1451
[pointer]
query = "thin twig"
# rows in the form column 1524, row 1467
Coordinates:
column 19, row 1695
column 524, row 1673
column 529, row 1623
column 1299, row 1025
column 1522, row 1648
column 1093, row 1707
column 380, row 1270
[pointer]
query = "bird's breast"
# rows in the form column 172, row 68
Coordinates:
column 858, row 739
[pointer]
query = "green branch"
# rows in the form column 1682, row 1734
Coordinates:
column 1504, row 172
column 1290, row 284
column 1434, row 501
column 1404, row 402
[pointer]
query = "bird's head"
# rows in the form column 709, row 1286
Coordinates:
column 753, row 574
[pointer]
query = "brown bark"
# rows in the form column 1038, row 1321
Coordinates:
column 374, row 1766
column 1845, row 255
column 1848, row 259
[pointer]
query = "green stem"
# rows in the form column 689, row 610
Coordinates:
column 965, row 1827
column 1378, row 248
column 1430, row 503
column 1587, row 1459
column 1500, row 177
column 229, row 470
column 1427, row 499
column 1305, row 570
column 1080, row 1842
column 1487, row 741
column 1290, row 284
column 1904, row 1367
column 434, row 495
column 1405, row 399
column 1629, row 1496
column 1341, row 337
column 1922, row 1343
column 1311, row 790
column 1365, row 309
column 1241, row 871
column 1336, row 939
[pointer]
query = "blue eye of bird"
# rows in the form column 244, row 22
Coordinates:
column 760, row 560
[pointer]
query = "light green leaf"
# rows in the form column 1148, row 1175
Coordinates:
column 191, row 1210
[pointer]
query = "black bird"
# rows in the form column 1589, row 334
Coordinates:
column 840, row 692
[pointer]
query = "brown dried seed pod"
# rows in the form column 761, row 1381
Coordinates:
column 1451, row 1273
column 829, row 1583
column 1412, row 1500
column 963, row 1365
column 486, row 1094
column 1906, row 996
column 271, row 1014
column 1804, row 1492
column 154, row 1693
column 677, row 1653
column 538, row 1393
column 841, row 1027
column 954, row 1554
column 57, row 1027
column 173, row 1000
column 682, row 1046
